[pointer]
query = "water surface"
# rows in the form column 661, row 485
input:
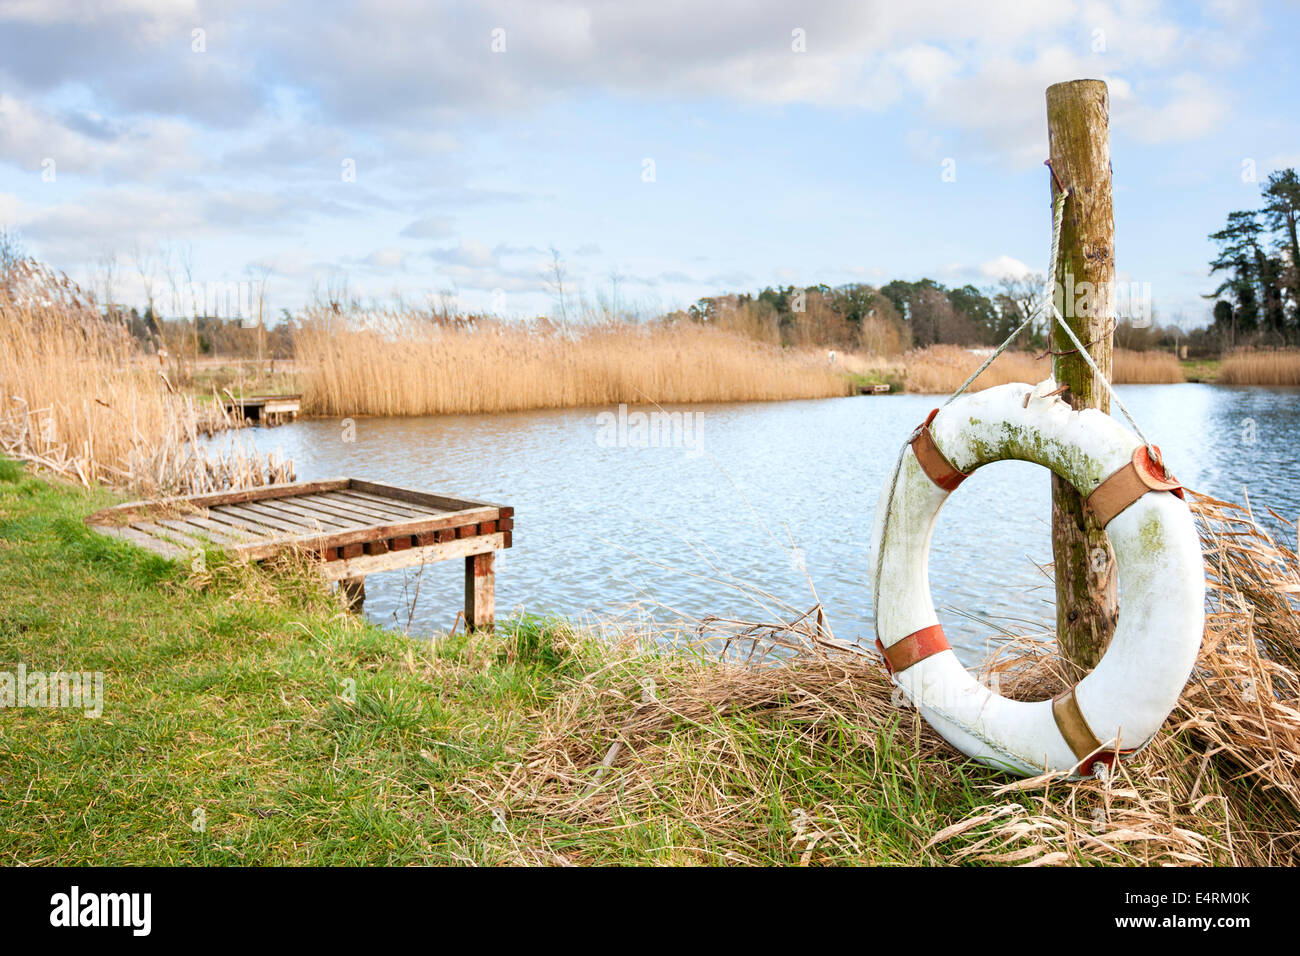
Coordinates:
column 776, row 495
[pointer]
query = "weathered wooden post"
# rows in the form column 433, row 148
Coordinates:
column 1078, row 118
column 480, row 591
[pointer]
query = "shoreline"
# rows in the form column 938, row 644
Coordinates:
column 247, row 720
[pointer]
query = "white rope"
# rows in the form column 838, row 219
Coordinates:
column 1048, row 307
column 1087, row 357
column 1058, row 215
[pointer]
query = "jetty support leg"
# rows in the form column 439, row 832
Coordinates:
column 480, row 591
column 354, row 592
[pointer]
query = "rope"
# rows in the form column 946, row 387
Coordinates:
column 1049, row 303
column 1087, row 357
column 1058, row 215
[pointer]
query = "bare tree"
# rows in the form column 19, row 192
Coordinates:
column 146, row 267
column 260, row 275
column 12, row 253
column 556, row 275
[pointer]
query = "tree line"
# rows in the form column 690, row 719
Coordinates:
column 1258, row 301
column 904, row 314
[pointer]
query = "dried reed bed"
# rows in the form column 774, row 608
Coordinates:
column 398, row 363
column 1147, row 368
column 940, row 369
column 1250, row 367
column 727, row 758
column 77, row 401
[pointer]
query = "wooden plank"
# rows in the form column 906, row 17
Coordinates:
column 214, row 538
column 341, row 507
column 390, row 510
column 190, row 543
column 336, row 508
column 351, row 551
column 365, row 507
column 327, row 515
column 377, row 547
column 445, row 502
column 210, row 500
column 236, row 535
column 259, row 532
column 282, row 508
column 401, row 542
column 142, row 540
column 271, row 546
column 390, row 503
column 272, row 523
column 480, row 591
column 369, row 564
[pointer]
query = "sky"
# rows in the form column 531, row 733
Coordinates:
column 665, row 150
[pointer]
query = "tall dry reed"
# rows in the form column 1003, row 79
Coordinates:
column 941, row 369
column 76, row 398
column 1251, row 367
column 396, row 363
column 1147, row 368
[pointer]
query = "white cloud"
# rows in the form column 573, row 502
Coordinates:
column 1005, row 266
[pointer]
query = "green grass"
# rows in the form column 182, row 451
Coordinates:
column 1201, row 370
column 248, row 719
column 894, row 378
column 295, row 732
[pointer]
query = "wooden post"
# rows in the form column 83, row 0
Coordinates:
column 480, row 591
column 354, row 593
column 1078, row 117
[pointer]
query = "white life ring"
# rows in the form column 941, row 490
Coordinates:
column 1121, row 704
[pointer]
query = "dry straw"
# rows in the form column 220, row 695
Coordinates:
column 404, row 363
column 941, row 369
column 696, row 745
column 1251, row 367
column 77, row 398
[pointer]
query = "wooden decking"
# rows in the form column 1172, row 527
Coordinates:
column 352, row 527
column 267, row 409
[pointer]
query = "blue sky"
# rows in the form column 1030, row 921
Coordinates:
column 126, row 137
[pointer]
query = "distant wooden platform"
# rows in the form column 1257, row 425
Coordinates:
column 882, row 389
column 266, row 409
column 352, row 527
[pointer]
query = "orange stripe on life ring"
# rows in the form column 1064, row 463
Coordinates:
column 1130, row 483
column 932, row 461
column 914, row 648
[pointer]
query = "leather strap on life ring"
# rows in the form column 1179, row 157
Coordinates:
column 914, row 648
column 1073, row 726
column 932, row 461
column 1130, row 483
column 1083, row 743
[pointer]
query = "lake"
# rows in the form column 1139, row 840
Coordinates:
column 771, row 496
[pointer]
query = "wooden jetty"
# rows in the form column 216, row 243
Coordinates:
column 266, row 409
column 882, row 389
column 352, row 527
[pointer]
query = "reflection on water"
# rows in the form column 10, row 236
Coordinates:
column 761, row 493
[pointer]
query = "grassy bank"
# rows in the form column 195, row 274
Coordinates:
column 304, row 735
